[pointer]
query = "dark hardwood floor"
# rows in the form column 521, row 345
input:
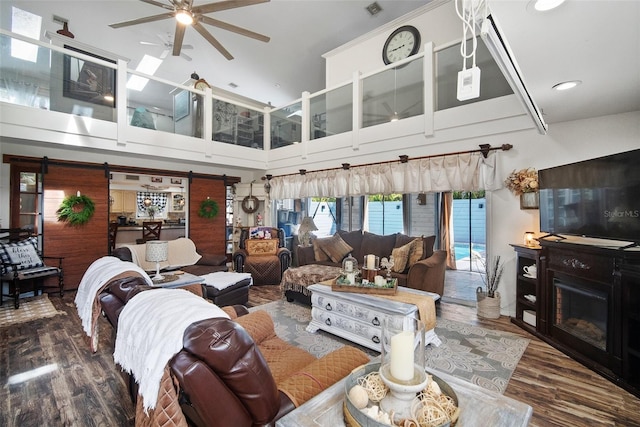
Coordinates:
column 50, row 378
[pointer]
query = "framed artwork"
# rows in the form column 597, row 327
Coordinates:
column 181, row 105
column 88, row 81
column 177, row 181
column 156, row 179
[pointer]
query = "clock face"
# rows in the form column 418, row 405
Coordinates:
column 402, row 43
column 201, row 84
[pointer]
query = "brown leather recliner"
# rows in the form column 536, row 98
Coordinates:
column 238, row 371
column 265, row 269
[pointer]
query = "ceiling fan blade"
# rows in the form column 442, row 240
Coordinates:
column 150, row 43
column 409, row 108
column 185, row 56
column 187, row 46
column 177, row 38
column 386, row 106
column 215, row 43
column 225, row 5
column 164, row 54
column 233, row 28
column 143, row 20
column 155, row 3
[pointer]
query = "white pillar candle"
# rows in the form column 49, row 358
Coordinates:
column 371, row 262
column 402, row 356
column 351, row 278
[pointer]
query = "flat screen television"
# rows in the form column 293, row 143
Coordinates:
column 594, row 198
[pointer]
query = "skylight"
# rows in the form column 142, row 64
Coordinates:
column 29, row 25
column 148, row 65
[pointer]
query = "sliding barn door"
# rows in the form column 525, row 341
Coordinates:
column 80, row 245
column 207, row 233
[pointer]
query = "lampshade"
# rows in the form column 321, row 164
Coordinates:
column 307, row 225
column 157, row 251
column 304, row 232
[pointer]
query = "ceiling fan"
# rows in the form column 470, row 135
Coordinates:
column 188, row 15
column 168, row 47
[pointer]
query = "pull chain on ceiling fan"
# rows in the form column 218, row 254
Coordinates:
column 188, row 15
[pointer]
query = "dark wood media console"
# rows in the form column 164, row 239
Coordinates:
column 587, row 305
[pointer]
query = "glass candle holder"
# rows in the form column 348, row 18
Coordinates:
column 402, row 363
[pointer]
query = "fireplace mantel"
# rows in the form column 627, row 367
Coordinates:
column 586, row 305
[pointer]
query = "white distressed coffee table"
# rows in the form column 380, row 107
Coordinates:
column 358, row 317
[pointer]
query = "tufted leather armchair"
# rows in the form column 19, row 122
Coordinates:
column 265, row 269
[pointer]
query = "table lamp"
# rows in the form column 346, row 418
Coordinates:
column 304, row 232
column 157, row 251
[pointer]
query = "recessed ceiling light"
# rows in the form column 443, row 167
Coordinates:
column 566, row 85
column 544, row 5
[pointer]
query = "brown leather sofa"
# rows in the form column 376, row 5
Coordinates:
column 426, row 275
column 237, row 371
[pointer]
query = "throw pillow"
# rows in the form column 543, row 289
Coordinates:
column 318, row 254
column 23, row 253
column 401, row 257
column 334, row 247
column 261, row 247
column 416, row 252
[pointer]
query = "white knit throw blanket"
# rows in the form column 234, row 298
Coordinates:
column 99, row 273
column 223, row 279
column 150, row 331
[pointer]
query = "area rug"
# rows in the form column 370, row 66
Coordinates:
column 30, row 309
column 481, row 356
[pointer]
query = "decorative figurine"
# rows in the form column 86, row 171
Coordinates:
column 259, row 218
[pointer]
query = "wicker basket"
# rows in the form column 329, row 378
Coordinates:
column 487, row 307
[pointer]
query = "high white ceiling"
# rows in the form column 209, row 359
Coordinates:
column 596, row 41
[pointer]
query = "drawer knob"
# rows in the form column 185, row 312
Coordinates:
column 328, row 322
column 375, row 339
column 375, row 321
column 328, row 307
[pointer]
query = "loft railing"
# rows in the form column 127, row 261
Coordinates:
column 87, row 82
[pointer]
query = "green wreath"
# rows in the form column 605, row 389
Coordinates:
column 208, row 209
column 76, row 210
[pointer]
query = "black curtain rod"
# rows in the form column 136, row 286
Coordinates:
column 484, row 149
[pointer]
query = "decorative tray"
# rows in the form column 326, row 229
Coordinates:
column 390, row 288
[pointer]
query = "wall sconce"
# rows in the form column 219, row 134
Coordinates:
column 146, row 201
column 422, row 199
column 529, row 239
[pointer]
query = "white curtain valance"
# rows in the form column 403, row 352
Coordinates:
column 459, row 172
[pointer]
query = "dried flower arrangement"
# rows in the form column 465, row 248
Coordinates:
column 522, row 181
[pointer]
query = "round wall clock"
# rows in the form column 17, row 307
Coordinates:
column 401, row 44
column 201, row 84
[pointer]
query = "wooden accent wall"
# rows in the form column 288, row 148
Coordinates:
column 79, row 244
column 207, row 234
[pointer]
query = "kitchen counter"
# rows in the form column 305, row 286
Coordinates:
column 127, row 234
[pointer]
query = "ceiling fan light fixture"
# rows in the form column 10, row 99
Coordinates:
column 184, row 17
column 394, row 117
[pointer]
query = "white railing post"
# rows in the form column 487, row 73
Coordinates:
column 428, row 78
column 121, row 102
column 306, row 123
column 357, row 111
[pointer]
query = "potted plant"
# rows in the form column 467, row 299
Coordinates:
column 488, row 299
